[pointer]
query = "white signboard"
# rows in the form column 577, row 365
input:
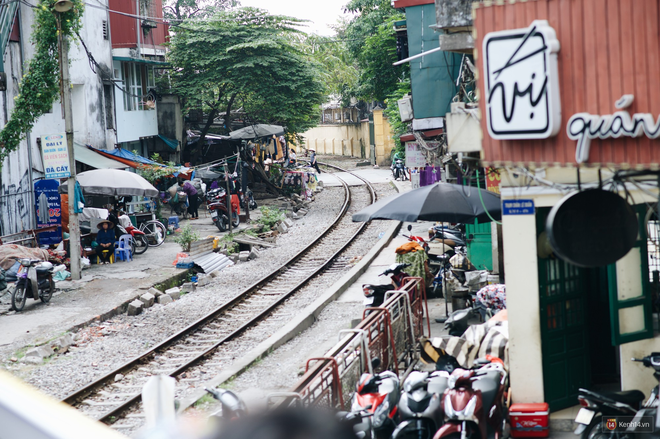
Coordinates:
column 415, row 158
column 56, row 156
column 522, row 82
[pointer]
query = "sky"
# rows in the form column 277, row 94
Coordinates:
column 321, row 12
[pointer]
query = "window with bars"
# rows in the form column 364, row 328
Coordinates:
column 138, row 79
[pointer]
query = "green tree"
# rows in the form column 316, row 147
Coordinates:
column 399, row 128
column 179, row 10
column 371, row 40
column 338, row 70
column 245, row 56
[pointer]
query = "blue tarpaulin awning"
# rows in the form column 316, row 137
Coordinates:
column 126, row 154
column 172, row 143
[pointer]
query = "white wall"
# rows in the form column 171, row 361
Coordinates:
column 520, row 266
column 89, row 117
column 131, row 125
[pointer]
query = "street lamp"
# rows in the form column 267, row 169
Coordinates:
column 60, row 7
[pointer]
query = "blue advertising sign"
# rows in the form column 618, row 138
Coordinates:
column 518, row 207
column 49, row 212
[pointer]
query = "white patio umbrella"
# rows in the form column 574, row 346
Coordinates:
column 113, row 182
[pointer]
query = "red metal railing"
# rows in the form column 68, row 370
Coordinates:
column 389, row 332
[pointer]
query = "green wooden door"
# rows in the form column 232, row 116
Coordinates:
column 479, row 245
column 564, row 331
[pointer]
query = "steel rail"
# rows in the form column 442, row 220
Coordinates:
column 110, row 416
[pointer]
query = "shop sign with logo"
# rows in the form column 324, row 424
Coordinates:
column 611, row 116
column 522, row 82
column 55, row 155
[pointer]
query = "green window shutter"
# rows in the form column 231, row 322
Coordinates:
column 631, row 311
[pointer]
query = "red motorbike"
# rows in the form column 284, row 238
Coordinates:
column 216, row 204
column 475, row 402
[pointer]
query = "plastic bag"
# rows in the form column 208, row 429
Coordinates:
column 84, row 262
column 61, row 275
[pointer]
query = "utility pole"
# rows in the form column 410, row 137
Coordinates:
column 229, row 212
column 74, row 225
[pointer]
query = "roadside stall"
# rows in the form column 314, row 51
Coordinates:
column 447, row 203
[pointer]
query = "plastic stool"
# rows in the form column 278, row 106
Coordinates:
column 111, row 258
column 173, row 220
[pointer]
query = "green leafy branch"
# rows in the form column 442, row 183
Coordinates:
column 40, row 85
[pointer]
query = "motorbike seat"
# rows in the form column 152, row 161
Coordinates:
column 630, row 397
column 488, row 383
column 42, row 270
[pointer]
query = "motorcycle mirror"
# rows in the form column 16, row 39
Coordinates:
column 409, row 227
column 375, row 362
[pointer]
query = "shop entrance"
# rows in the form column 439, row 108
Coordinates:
column 575, row 328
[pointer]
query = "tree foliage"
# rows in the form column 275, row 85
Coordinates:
column 179, row 10
column 40, row 86
column 371, row 41
column 399, row 128
column 339, row 72
column 246, row 56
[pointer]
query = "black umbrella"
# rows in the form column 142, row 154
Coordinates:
column 438, row 202
column 255, row 131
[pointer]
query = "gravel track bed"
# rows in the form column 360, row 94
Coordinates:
column 105, row 346
column 223, row 357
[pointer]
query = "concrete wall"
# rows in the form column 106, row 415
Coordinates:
column 25, row 164
column 339, row 139
column 351, row 139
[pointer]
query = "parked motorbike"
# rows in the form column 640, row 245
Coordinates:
column 232, row 406
column 375, row 294
column 35, row 280
column 420, row 407
column 451, row 236
column 595, row 405
column 399, row 170
column 474, row 403
column 216, row 204
column 375, row 402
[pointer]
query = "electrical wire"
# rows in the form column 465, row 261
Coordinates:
column 481, row 198
column 94, row 65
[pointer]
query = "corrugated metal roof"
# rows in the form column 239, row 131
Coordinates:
column 212, row 261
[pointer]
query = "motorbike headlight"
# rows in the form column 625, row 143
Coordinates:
column 368, row 292
column 381, row 413
column 25, row 262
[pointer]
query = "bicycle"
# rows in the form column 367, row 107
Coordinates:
column 155, row 232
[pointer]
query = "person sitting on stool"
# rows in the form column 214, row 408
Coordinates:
column 105, row 238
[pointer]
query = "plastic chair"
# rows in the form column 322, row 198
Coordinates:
column 173, row 220
column 123, row 251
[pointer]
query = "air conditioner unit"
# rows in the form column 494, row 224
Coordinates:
column 405, row 108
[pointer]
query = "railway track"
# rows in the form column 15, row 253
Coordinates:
column 208, row 341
